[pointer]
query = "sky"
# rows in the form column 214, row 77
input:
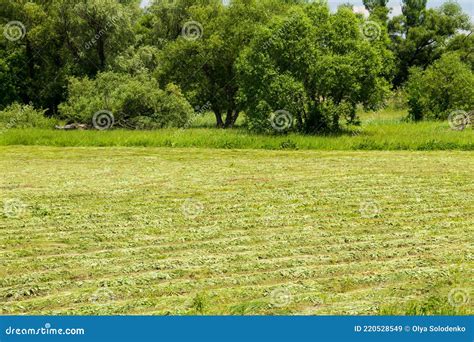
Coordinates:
column 467, row 5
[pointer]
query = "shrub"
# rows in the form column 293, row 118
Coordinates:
column 134, row 101
column 24, row 116
column 444, row 87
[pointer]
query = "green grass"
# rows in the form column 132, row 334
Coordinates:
column 379, row 131
column 208, row 231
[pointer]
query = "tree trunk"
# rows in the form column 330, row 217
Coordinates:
column 231, row 118
column 101, row 52
column 31, row 69
column 219, row 122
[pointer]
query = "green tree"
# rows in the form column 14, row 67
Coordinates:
column 378, row 9
column 59, row 39
column 94, row 32
column 463, row 43
column 28, row 71
column 205, row 67
column 420, row 35
column 163, row 20
column 313, row 67
column 444, row 87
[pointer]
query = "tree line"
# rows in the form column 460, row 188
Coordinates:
column 286, row 64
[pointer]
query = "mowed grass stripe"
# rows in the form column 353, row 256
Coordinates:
column 447, row 204
column 112, row 218
column 335, row 245
column 254, row 290
column 316, row 272
column 262, row 265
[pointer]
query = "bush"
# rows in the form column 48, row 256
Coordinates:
column 24, row 116
column 444, row 87
column 134, row 101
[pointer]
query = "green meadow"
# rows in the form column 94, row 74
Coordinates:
column 117, row 230
column 384, row 130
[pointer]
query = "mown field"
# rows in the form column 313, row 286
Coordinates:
column 209, row 231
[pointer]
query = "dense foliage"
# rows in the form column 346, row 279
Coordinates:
column 421, row 36
column 150, row 66
column 300, row 67
column 443, row 88
column 24, row 116
column 134, row 101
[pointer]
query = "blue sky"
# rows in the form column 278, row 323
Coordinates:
column 467, row 5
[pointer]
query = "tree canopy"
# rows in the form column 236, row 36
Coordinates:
column 248, row 57
column 315, row 66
